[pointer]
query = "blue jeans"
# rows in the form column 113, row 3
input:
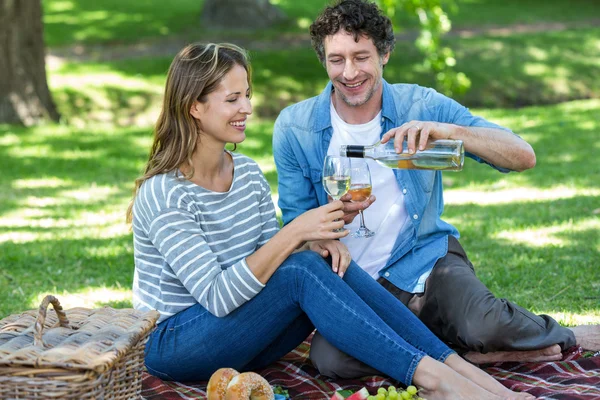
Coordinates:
column 356, row 314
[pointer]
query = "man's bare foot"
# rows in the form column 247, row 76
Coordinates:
column 587, row 336
column 551, row 353
column 439, row 381
column 483, row 379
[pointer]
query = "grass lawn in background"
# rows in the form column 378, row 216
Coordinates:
column 533, row 237
column 506, row 71
column 70, row 22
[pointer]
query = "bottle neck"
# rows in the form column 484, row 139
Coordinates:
column 355, row 151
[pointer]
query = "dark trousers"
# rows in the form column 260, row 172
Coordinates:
column 458, row 308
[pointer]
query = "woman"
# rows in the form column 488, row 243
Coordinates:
column 233, row 289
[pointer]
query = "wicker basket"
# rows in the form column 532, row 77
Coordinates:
column 78, row 354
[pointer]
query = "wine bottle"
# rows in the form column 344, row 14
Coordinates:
column 443, row 155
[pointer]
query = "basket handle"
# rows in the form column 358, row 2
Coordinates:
column 41, row 318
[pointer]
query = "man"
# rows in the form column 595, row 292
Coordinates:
column 414, row 254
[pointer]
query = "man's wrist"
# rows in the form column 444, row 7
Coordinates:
column 459, row 132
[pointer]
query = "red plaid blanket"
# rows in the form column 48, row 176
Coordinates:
column 576, row 377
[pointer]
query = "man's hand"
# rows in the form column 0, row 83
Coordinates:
column 351, row 208
column 417, row 133
column 497, row 146
column 340, row 256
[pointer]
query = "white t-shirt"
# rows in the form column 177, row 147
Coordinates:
column 387, row 217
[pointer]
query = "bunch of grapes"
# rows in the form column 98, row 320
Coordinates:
column 391, row 393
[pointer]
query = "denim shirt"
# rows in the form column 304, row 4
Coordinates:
column 301, row 139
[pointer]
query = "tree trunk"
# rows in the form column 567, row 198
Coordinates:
column 240, row 14
column 24, row 95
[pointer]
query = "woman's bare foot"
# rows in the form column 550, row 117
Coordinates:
column 551, row 353
column 439, row 381
column 483, row 379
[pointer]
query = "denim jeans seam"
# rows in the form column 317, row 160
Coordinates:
column 190, row 320
column 158, row 373
column 345, row 306
column 413, row 367
column 158, row 329
column 445, row 355
column 419, row 352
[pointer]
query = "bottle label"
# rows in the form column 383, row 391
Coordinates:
column 355, row 151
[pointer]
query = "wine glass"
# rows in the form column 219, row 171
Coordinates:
column 360, row 190
column 336, row 177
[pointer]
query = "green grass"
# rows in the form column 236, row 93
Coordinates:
column 532, row 236
column 115, row 21
column 62, row 212
column 540, row 68
column 506, row 71
column 476, row 13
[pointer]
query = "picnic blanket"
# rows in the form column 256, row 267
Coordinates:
column 576, row 377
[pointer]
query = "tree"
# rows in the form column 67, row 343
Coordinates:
column 434, row 24
column 240, row 14
column 24, row 95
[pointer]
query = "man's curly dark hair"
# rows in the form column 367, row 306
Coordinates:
column 357, row 17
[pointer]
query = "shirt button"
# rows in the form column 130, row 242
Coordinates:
column 415, row 216
column 387, row 274
column 404, row 191
column 382, row 119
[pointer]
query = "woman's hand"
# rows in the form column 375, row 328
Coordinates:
column 340, row 256
column 319, row 223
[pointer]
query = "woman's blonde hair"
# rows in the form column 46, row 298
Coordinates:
column 196, row 71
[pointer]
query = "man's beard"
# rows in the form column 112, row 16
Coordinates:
column 367, row 97
column 358, row 102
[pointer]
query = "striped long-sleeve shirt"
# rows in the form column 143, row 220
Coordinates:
column 190, row 243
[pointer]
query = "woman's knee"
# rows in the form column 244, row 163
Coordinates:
column 298, row 267
column 306, row 257
column 302, row 262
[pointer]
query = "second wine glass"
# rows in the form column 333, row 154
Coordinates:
column 360, row 190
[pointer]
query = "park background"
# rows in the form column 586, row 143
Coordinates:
column 534, row 66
